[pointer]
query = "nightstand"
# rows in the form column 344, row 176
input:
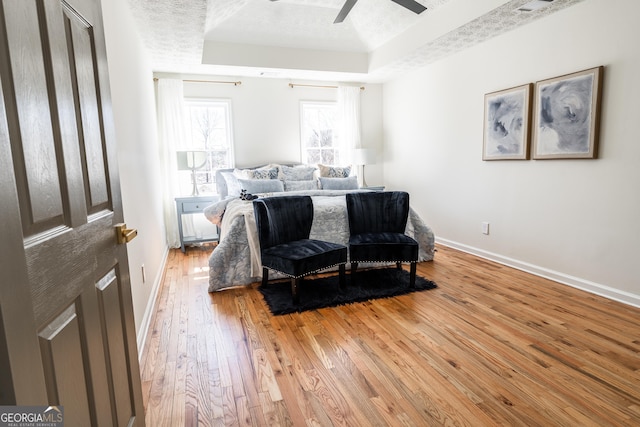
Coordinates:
column 195, row 205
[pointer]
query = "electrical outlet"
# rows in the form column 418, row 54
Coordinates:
column 144, row 275
column 485, row 228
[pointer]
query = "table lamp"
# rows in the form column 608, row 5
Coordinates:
column 192, row 160
column 362, row 157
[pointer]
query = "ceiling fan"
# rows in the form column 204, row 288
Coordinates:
column 412, row 5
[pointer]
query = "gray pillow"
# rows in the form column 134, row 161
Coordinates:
column 255, row 186
column 350, row 183
column 300, row 185
column 297, row 173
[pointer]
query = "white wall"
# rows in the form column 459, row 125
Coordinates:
column 134, row 115
column 576, row 221
column 266, row 118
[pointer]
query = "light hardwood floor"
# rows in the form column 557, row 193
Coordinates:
column 490, row 346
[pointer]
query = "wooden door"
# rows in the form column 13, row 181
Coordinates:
column 67, row 333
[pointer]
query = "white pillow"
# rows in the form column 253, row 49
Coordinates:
column 350, row 183
column 255, row 186
column 233, row 186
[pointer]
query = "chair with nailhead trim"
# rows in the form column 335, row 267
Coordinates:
column 284, row 226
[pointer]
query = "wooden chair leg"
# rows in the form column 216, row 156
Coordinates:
column 295, row 284
column 412, row 275
column 354, row 267
column 341, row 278
column 265, row 275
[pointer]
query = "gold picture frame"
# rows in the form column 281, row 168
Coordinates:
column 566, row 119
column 507, row 114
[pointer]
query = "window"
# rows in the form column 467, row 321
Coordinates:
column 319, row 133
column 208, row 128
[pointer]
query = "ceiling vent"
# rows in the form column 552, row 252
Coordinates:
column 534, row 5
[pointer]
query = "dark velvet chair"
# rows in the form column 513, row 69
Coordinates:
column 377, row 221
column 284, row 225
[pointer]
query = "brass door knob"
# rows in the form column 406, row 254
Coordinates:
column 124, row 234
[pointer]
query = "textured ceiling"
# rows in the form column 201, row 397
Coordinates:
column 175, row 32
column 309, row 23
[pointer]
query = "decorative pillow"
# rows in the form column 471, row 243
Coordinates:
column 350, row 183
column 300, row 185
column 255, row 186
column 241, row 173
column 260, row 173
column 233, row 186
column 334, row 171
column 297, row 173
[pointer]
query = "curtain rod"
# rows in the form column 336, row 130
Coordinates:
column 236, row 83
column 292, row 85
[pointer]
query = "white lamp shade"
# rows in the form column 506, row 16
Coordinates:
column 364, row 156
column 189, row 160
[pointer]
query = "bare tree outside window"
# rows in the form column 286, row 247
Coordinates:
column 209, row 129
column 320, row 139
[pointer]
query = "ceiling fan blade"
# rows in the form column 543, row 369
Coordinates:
column 345, row 11
column 412, row 5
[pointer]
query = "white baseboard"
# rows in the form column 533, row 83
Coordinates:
column 576, row 282
column 151, row 304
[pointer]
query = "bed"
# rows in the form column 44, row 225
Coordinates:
column 235, row 261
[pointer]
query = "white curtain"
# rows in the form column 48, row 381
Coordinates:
column 349, row 107
column 171, row 136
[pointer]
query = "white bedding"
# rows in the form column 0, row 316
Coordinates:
column 236, row 259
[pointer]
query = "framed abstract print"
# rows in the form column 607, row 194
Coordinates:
column 506, row 124
column 566, row 117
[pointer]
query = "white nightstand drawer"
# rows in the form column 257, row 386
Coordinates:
column 194, row 207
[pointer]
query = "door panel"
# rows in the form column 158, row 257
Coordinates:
column 63, row 361
column 66, row 315
column 32, row 136
column 111, row 314
column 79, row 32
column 64, row 109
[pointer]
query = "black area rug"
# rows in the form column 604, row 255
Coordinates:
column 326, row 292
